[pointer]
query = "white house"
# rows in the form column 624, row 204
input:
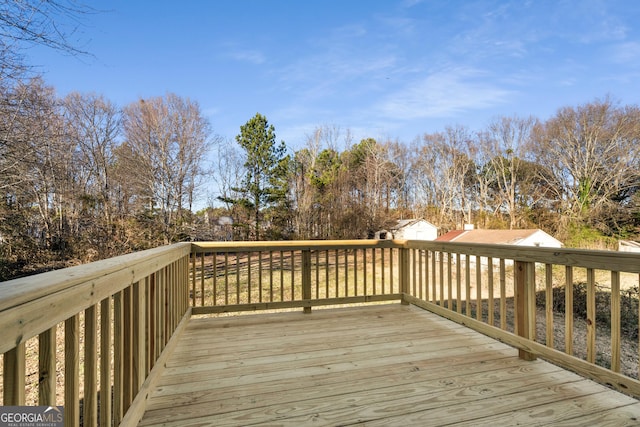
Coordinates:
column 410, row 229
column 527, row 237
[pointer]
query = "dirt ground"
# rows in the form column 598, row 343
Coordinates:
column 629, row 363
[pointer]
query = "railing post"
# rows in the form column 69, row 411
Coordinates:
column 306, row 277
column 404, row 267
column 525, row 304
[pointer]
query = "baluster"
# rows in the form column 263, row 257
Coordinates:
column 306, row 277
column 591, row 316
column 478, row 287
column 490, row 302
column 71, row 371
column 105, row 362
column 14, row 376
column 46, row 367
column 458, row 284
column 90, row 404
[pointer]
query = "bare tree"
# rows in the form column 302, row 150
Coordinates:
column 54, row 24
column 166, row 140
column 93, row 125
column 444, row 164
column 37, row 162
column 506, row 145
column 401, row 174
column 303, row 193
column 227, row 172
column 593, row 155
column 374, row 176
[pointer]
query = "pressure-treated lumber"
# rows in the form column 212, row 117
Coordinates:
column 377, row 365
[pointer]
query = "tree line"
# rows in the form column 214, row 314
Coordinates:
column 83, row 179
column 575, row 175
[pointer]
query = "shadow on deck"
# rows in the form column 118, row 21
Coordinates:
column 375, row 365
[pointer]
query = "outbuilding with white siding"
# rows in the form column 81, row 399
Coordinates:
column 410, row 229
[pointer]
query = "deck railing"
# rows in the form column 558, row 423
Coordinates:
column 123, row 311
column 510, row 292
column 110, row 325
column 237, row 276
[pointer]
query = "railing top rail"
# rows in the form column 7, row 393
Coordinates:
column 586, row 258
column 22, row 290
column 597, row 259
column 292, row 245
column 31, row 305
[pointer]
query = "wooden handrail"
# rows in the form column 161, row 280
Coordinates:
column 293, row 245
column 136, row 265
column 597, row 259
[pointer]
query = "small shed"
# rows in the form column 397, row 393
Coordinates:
column 410, row 229
column 628, row 246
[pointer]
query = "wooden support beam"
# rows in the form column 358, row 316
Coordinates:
column 405, row 265
column 525, row 316
column 306, row 277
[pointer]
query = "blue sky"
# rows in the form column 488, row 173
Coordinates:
column 384, row 69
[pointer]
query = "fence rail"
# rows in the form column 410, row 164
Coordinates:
column 93, row 337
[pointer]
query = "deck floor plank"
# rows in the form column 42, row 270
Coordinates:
column 295, row 359
column 399, row 373
column 288, row 345
column 375, row 365
column 583, row 411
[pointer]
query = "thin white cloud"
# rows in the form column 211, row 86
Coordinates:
column 568, row 82
column 411, row 3
column 349, row 31
column 250, row 56
column 211, row 111
column 328, row 73
column 238, row 51
column 625, row 53
column 446, row 93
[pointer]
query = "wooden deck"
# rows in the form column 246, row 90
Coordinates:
column 381, row 365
